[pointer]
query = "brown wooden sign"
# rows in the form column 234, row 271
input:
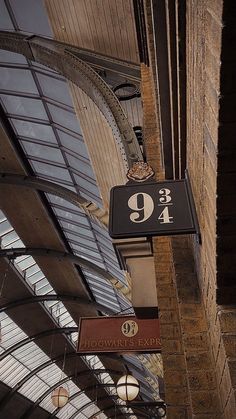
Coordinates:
column 118, row 334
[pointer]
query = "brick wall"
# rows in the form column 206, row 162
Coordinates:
column 189, row 376
column 199, row 337
column 204, row 33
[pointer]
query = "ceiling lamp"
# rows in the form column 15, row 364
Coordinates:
column 60, row 397
column 127, row 388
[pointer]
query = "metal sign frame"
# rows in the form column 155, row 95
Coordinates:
column 169, row 209
column 118, row 334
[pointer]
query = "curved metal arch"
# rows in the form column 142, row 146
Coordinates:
column 52, row 297
column 14, row 389
column 38, row 251
column 59, row 383
column 90, row 208
column 74, row 396
column 59, row 358
column 45, row 394
column 80, row 410
column 18, row 345
column 62, row 58
column 100, row 411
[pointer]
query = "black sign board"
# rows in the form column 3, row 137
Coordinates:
column 151, row 209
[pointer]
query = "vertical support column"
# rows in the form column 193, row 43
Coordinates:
column 174, row 363
column 201, row 373
column 177, row 394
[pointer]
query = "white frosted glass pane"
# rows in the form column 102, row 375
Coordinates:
column 30, row 271
column 18, row 80
column 51, row 171
column 43, row 152
column 34, row 130
column 86, row 185
column 103, row 241
column 66, row 412
column 84, row 251
column 31, row 16
column 80, row 166
column 9, row 238
column 24, row 107
column 33, row 389
column 64, row 118
column 74, row 144
column 57, row 200
column 78, row 229
column 17, row 243
column 36, row 277
column 26, row 263
column 78, row 218
column 81, row 241
column 55, row 89
column 5, row 227
column 11, row 57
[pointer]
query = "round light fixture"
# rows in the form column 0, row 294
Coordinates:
column 60, row 397
column 127, row 388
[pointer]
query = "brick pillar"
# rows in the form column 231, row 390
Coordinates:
column 174, row 363
column 191, row 389
column 177, row 394
column 205, row 59
column 201, row 374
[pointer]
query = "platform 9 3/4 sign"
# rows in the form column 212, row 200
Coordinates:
column 151, row 209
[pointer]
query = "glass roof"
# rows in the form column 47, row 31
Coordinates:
column 22, row 361
column 38, row 105
column 52, row 141
column 16, row 366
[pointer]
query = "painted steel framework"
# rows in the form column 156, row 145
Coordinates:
column 62, row 58
column 55, row 297
column 33, row 182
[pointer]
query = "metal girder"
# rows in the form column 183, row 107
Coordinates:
column 40, row 399
column 60, row 383
column 61, row 330
column 126, row 69
column 80, row 410
column 33, row 182
column 74, row 397
column 59, row 358
column 11, row 393
column 62, row 58
column 37, row 251
column 55, row 297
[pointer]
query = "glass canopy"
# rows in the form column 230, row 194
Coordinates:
column 38, row 105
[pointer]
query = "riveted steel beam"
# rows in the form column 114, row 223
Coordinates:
column 126, row 69
column 77, row 260
column 33, row 182
column 62, row 58
column 56, row 297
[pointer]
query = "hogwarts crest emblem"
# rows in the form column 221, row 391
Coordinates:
column 140, row 172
